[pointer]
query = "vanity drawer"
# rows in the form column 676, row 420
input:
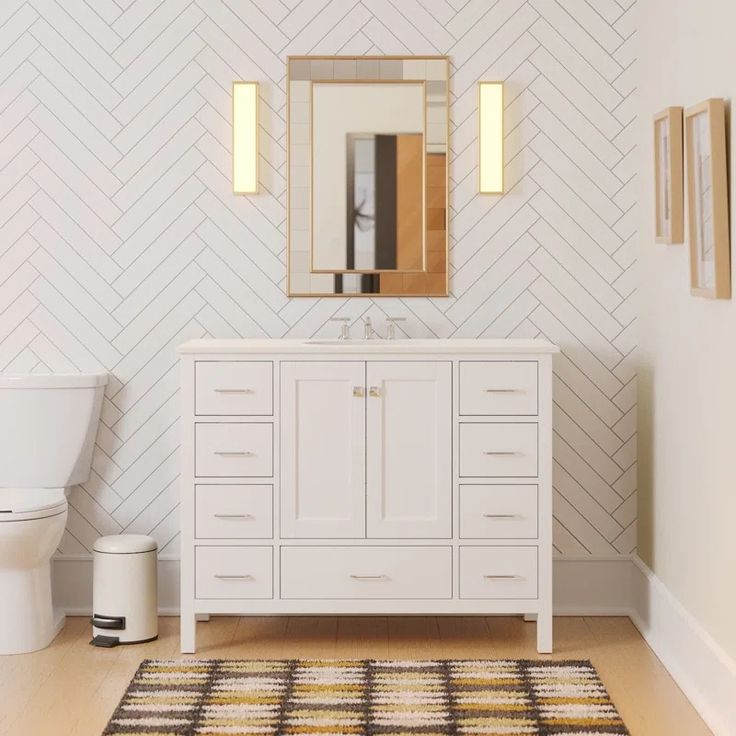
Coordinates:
column 498, row 450
column 230, row 387
column 233, row 512
column 233, row 449
column 366, row 572
column 498, row 512
column 503, row 388
column 233, row 572
column 498, row 572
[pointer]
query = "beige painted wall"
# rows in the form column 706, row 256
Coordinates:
column 687, row 410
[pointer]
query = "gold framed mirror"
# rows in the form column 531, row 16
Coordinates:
column 367, row 162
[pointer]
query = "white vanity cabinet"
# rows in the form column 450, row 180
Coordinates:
column 366, row 477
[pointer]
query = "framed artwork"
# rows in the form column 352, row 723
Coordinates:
column 669, row 216
column 707, row 200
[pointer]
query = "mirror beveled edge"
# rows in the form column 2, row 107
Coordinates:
column 444, row 291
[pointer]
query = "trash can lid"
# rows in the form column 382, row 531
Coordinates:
column 125, row 544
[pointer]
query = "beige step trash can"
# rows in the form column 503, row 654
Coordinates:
column 124, row 590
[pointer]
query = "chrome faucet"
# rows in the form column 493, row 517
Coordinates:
column 368, row 331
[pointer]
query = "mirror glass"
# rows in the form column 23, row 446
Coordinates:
column 367, row 163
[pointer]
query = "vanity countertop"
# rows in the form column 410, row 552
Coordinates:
column 326, row 345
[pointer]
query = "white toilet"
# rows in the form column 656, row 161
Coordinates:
column 48, row 425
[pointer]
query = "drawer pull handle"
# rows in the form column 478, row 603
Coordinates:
column 370, row 577
column 503, row 577
column 502, row 390
column 234, row 577
column 234, row 391
column 235, row 453
column 234, row 516
column 502, row 516
column 504, row 453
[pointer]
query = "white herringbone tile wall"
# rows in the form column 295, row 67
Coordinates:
column 120, row 237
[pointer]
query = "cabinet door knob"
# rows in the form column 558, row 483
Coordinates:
column 359, row 391
column 374, row 391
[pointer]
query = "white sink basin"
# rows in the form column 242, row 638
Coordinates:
column 337, row 341
column 377, row 341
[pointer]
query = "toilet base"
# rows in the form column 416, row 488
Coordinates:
column 28, row 622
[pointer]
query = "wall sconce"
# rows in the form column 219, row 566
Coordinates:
column 245, row 137
column 490, row 137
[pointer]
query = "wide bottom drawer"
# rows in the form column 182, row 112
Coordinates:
column 366, row 572
column 498, row 572
column 233, row 572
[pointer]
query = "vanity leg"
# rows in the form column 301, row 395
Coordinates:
column 530, row 617
column 188, row 632
column 544, row 631
column 202, row 617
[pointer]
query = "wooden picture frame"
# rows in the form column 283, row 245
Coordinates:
column 669, row 220
column 707, row 200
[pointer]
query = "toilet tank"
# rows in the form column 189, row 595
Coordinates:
column 48, row 424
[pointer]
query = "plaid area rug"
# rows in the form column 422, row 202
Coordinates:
column 385, row 698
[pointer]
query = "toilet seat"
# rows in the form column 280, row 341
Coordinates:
column 26, row 504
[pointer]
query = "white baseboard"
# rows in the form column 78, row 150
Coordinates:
column 72, row 585
column 584, row 586
column 592, row 586
column 704, row 672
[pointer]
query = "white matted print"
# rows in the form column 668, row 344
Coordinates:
column 707, row 198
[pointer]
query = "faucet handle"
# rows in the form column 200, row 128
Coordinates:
column 344, row 328
column 391, row 326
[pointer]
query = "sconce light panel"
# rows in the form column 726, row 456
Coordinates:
column 245, row 137
column 490, row 137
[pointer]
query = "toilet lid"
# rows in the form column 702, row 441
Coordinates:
column 31, row 503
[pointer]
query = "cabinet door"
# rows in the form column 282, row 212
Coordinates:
column 323, row 449
column 409, row 449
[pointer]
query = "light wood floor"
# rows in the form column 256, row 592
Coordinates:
column 71, row 688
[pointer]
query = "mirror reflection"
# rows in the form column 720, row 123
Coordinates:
column 368, row 175
column 384, row 195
